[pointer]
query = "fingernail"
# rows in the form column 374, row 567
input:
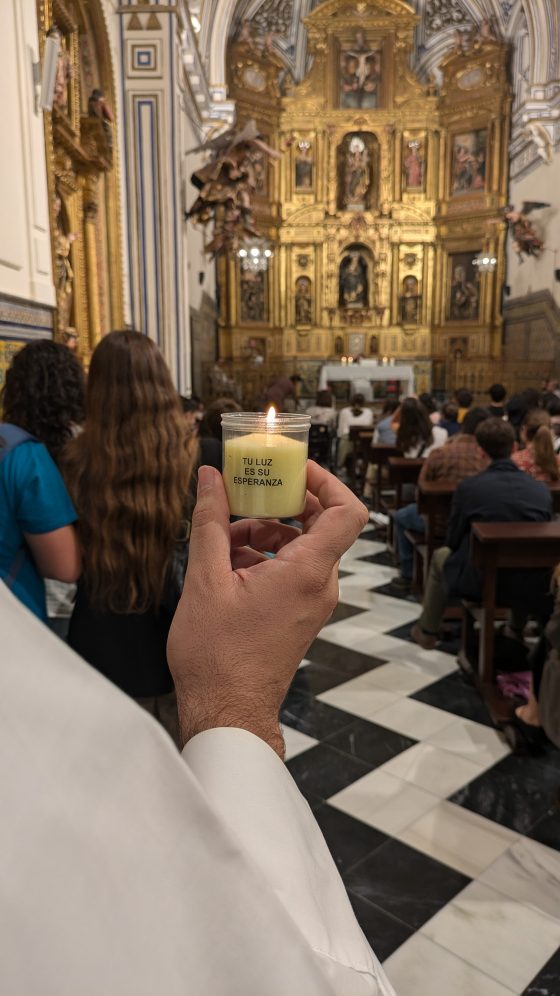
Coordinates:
column 206, row 478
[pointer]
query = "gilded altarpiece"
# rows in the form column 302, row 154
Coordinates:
column 386, row 192
column 82, row 172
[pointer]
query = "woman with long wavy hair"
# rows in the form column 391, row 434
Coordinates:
column 129, row 473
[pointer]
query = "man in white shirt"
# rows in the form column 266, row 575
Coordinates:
column 130, row 870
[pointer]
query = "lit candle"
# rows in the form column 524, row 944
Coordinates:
column 385, row 361
column 265, row 463
column 344, row 361
column 391, row 360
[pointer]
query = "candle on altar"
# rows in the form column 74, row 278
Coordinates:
column 385, row 361
column 265, row 463
column 343, row 360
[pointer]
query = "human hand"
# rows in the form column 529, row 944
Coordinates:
column 245, row 621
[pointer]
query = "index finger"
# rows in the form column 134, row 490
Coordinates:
column 333, row 530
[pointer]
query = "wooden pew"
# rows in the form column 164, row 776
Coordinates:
column 361, row 438
column 402, row 471
column 494, row 546
column 378, row 457
column 433, row 499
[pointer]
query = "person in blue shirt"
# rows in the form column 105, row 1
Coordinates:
column 41, row 401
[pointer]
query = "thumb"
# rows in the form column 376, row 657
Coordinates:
column 209, row 547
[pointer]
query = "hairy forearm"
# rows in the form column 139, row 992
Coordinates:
column 204, row 711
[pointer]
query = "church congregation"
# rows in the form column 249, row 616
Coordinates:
column 280, row 498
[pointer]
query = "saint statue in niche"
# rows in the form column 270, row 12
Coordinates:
column 464, row 291
column 253, row 302
column 410, row 301
column 338, row 345
column 413, row 165
column 373, row 345
column 63, row 74
column 357, row 174
column 304, row 166
column 360, row 74
column 303, row 304
column 64, row 273
column 353, row 281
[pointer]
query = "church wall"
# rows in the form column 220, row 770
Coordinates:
column 26, row 283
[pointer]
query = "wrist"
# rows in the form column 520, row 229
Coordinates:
column 194, row 720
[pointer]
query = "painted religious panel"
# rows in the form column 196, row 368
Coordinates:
column 468, row 162
column 304, row 166
column 413, row 163
column 410, row 301
column 463, row 294
column 360, row 74
column 353, row 280
column 357, row 170
column 253, row 304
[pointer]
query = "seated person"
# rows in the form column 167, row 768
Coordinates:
column 464, row 400
column 354, row 414
column 431, row 407
column 449, row 415
column 460, row 457
column 384, row 434
column 416, row 436
column 498, row 395
column 323, row 411
column 538, row 459
column 501, row 493
column 553, row 409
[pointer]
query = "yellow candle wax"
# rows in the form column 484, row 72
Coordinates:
column 265, row 474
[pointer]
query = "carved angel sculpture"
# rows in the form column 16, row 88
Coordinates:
column 525, row 241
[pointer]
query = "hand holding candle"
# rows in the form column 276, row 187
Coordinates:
column 265, row 460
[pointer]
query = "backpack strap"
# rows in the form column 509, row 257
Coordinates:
column 10, row 437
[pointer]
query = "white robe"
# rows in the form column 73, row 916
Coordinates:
column 130, row 870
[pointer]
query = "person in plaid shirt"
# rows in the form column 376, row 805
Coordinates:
column 460, row 457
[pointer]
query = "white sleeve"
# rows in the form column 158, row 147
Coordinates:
column 253, row 792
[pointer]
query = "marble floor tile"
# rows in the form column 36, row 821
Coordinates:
column 370, row 742
column 471, row 740
column 404, row 882
column 361, row 548
column 383, row 801
column 518, row 792
column 348, row 840
column 434, row 662
column 422, row 968
column 296, row 742
column 317, row 719
column 304, row 662
column 529, row 873
column 455, row 694
column 323, row 771
column 343, row 659
column 316, row 678
column 355, row 637
column 343, row 612
column 461, row 839
column 436, row 770
column 386, row 612
column 358, row 697
column 547, row 981
column 499, row 936
column 401, row 678
column 413, row 719
column 384, row 932
column 547, row 829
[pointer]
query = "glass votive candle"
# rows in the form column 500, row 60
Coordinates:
column 265, row 463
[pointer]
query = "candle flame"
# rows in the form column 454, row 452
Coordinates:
column 271, row 415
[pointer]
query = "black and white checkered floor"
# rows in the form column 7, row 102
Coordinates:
column 449, row 846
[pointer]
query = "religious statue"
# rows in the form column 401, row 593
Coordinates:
column 99, row 108
column 303, row 301
column 410, row 301
column 413, row 167
column 63, row 271
column 463, row 296
column 304, row 166
column 360, row 75
column 525, row 241
column 357, row 175
column 63, row 74
column 353, row 281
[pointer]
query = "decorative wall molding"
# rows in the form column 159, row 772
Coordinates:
column 24, row 320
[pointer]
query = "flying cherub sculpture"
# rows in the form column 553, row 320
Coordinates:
column 525, row 241
column 227, row 185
